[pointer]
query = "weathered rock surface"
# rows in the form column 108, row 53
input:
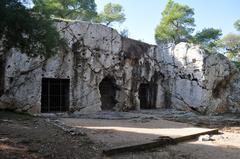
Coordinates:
column 201, row 82
column 95, row 52
column 99, row 59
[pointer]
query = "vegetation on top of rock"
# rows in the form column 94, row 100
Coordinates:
column 71, row 9
column 21, row 28
column 230, row 43
column 31, row 30
column 177, row 23
column 208, row 38
column 111, row 13
column 83, row 10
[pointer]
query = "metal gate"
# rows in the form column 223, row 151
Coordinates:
column 55, row 95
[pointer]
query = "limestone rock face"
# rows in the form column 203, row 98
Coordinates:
column 201, row 82
column 95, row 53
column 233, row 96
column 108, row 72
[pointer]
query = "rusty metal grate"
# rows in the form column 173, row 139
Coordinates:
column 55, row 95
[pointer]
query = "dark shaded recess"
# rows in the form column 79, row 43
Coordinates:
column 221, row 87
column 148, row 95
column 157, row 76
column 165, row 84
column 108, row 90
column 134, row 49
column 55, row 95
column 167, row 99
column 78, row 49
column 77, row 45
column 2, row 73
column 136, row 74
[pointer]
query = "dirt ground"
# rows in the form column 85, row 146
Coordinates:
column 127, row 132
column 26, row 137
column 63, row 137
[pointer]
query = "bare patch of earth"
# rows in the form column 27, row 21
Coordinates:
column 56, row 136
column 27, row 137
column 111, row 127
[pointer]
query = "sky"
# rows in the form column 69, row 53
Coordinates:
column 142, row 16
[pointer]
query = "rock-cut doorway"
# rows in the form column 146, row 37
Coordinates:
column 147, row 95
column 107, row 90
column 55, row 95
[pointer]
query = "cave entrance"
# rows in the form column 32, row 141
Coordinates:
column 55, row 95
column 108, row 92
column 147, row 95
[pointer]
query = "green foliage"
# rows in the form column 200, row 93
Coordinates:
column 112, row 13
column 31, row 33
column 237, row 25
column 230, row 43
column 208, row 35
column 68, row 9
column 207, row 38
column 176, row 24
column 237, row 63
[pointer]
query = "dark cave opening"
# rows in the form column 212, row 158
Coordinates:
column 108, row 93
column 219, row 88
column 148, row 95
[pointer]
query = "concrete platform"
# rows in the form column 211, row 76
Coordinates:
column 121, row 133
